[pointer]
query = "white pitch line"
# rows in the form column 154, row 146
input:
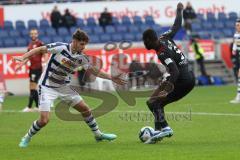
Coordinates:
column 118, row 111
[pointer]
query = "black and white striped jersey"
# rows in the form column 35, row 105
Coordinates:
column 61, row 65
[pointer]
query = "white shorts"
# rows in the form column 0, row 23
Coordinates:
column 48, row 95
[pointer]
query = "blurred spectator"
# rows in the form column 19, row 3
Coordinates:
column 105, row 18
column 188, row 15
column 68, row 19
column 136, row 72
column 56, row 18
column 198, row 55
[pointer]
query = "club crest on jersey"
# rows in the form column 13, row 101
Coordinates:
column 67, row 63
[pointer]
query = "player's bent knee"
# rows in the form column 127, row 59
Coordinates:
column 43, row 122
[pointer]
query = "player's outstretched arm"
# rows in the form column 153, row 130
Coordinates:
column 177, row 23
column 26, row 56
column 95, row 71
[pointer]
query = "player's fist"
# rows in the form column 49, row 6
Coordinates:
column 180, row 6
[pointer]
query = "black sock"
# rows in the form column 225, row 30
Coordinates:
column 35, row 97
column 160, row 119
column 31, row 98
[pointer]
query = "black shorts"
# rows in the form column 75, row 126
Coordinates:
column 35, row 74
column 182, row 87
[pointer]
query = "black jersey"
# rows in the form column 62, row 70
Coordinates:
column 169, row 54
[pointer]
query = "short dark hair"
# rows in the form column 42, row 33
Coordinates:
column 149, row 38
column 80, row 35
column 238, row 20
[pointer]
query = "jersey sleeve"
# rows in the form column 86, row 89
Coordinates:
column 55, row 48
column 86, row 64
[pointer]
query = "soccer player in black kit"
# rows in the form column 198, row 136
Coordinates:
column 180, row 82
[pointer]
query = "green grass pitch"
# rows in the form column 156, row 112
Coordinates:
column 207, row 128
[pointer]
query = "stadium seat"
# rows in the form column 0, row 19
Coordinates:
column 133, row 29
column 57, row 39
column 217, row 80
column 218, row 25
column 98, row 30
column 232, row 16
column 3, row 34
column 203, row 80
column 88, row 30
column 24, row 33
column 91, row 22
column 94, row 39
column 137, row 20
column 129, row 37
column 32, row 24
column 180, row 34
column 138, row 37
column 121, row 29
column 105, row 38
column 149, row 20
column 14, row 34
column 143, row 27
column 227, row 33
column 217, row 34
column 68, row 39
column 110, row 29
column 126, row 20
column 73, row 29
column 211, row 17
column 63, row 31
column 222, row 16
column 230, row 24
column 196, row 27
column 207, row 25
column 8, row 25
column 41, row 32
column 21, row 42
column 204, row 35
column 1, row 44
column 44, row 24
column 20, row 25
column 9, row 42
column 117, row 37
column 80, row 22
column 157, row 28
column 200, row 17
column 46, row 40
column 51, row 32
column 115, row 21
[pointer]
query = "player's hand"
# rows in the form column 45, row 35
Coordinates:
column 17, row 59
column 180, row 6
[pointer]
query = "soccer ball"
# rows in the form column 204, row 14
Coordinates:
column 146, row 133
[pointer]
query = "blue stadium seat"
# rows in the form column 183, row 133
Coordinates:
column 94, row 39
column 218, row 25
column 204, row 35
column 57, row 39
column 32, row 24
column 128, row 36
column 207, row 25
column 91, row 22
column 51, row 32
column 1, row 44
column 115, row 21
column 21, row 42
column 217, row 34
column 137, row 20
column 44, row 24
column 143, row 27
column 230, row 24
column 20, row 25
column 133, row 29
column 157, row 28
column 138, row 37
column 46, row 40
column 110, row 29
column 80, row 22
column 9, row 42
column 149, row 20
column 203, row 80
column 8, row 25
column 200, row 17
column 105, row 38
column 217, row 80
column 41, row 32
column 222, row 16
column 180, row 34
column 24, row 33
column 117, row 37
column 196, row 27
column 14, row 34
column 98, row 30
column 68, row 39
column 227, row 33
column 88, row 30
column 73, row 29
column 121, row 29
column 3, row 34
column 233, row 16
column 126, row 20
column 63, row 31
column 211, row 17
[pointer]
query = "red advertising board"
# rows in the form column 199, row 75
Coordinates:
column 1, row 16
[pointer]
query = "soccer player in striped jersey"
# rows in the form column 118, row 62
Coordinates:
column 235, row 53
column 55, row 79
